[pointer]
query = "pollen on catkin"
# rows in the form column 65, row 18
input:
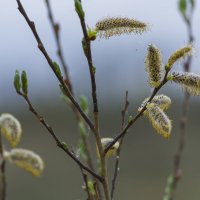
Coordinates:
column 10, row 127
column 159, row 120
column 179, row 54
column 26, row 160
column 189, row 81
column 162, row 101
column 112, row 26
column 153, row 64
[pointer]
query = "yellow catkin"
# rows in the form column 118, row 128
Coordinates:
column 162, row 101
column 26, row 160
column 112, row 26
column 159, row 120
column 189, row 81
column 179, row 54
column 10, row 127
column 112, row 151
column 153, row 64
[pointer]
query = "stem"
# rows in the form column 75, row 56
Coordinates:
column 2, row 173
column 120, row 147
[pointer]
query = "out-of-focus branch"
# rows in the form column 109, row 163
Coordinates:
column 123, row 113
column 2, row 173
column 184, row 119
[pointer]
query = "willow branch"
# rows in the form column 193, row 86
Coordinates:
column 123, row 113
column 131, row 122
column 50, row 62
column 57, row 140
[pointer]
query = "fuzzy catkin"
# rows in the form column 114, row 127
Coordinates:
column 189, row 81
column 111, row 26
column 153, row 65
column 26, row 160
column 10, row 127
column 162, row 101
column 180, row 53
column 159, row 120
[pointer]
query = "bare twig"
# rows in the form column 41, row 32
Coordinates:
column 2, row 173
column 50, row 62
column 57, row 140
column 123, row 113
column 184, row 118
column 131, row 122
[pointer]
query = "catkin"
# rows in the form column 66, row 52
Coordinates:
column 159, row 120
column 180, row 53
column 153, row 65
column 189, row 81
column 10, row 127
column 162, row 101
column 26, row 160
column 111, row 26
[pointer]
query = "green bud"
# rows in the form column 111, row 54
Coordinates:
column 57, row 69
column 79, row 9
column 92, row 34
column 91, row 187
column 93, row 70
column 82, row 129
column 24, row 81
column 16, row 81
column 130, row 119
column 64, row 145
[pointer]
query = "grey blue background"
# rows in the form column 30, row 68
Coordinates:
column 146, row 159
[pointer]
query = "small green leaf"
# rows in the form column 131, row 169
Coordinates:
column 16, row 81
column 24, row 81
column 182, row 6
column 57, row 69
column 91, row 187
column 168, row 188
column 82, row 129
column 79, row 9
column 94, row 70
column 81, row 151
column 84, row 104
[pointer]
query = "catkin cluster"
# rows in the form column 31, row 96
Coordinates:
column 156, row 115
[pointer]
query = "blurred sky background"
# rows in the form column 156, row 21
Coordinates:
column 147, row 158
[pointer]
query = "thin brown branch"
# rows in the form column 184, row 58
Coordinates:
column 57, row 140
column 50, row 62
column 131, row 122
column 92, row 70
column 2, row 173
column 123, row 113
